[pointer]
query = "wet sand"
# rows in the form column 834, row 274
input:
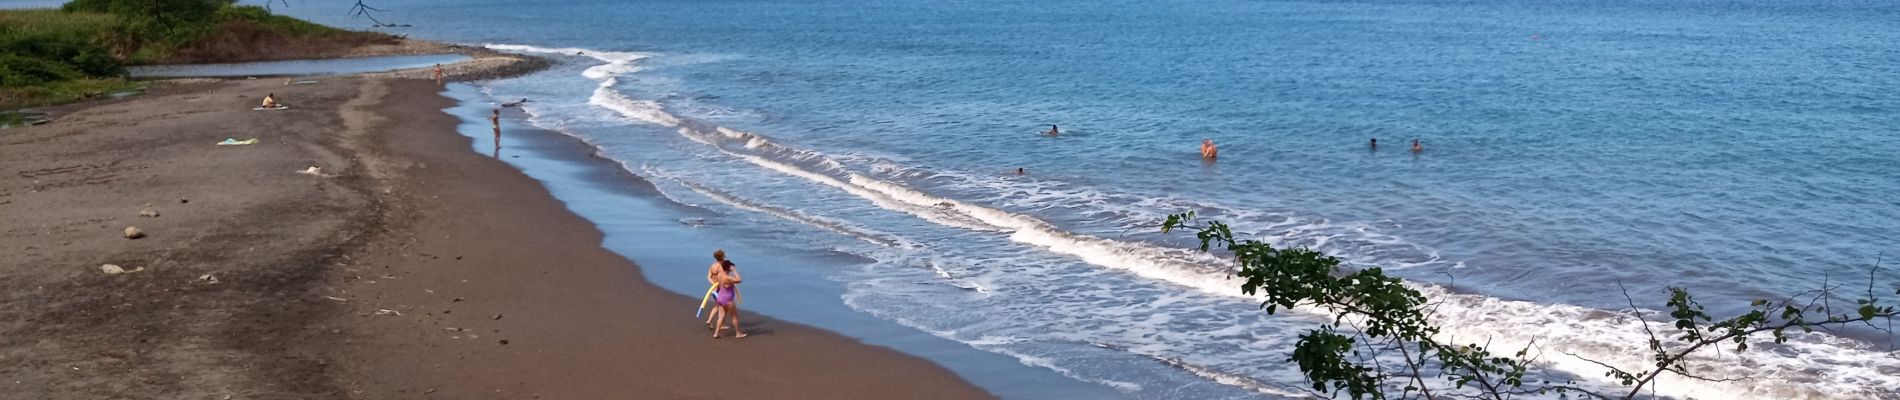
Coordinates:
column 410, row 267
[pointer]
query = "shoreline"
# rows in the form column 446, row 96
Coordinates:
column 641, row 222
column 398, row 201
column 602, row 323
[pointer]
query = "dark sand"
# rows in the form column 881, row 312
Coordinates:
column 463, row 252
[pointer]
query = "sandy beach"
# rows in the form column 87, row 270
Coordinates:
column 406, row 267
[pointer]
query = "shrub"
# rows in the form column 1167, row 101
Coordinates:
column 83, row 54
column 17, row 71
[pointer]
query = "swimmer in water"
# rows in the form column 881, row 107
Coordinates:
column 1416, row 148
column 1020, row 172
column 1053, row 131
column 1375, row 144
column 1208, row 151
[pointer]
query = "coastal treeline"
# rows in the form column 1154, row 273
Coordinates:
column 82, row 48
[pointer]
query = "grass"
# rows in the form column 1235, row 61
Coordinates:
column 52, row 57
column 63, row 92
column 29, row 22
column 279, row 24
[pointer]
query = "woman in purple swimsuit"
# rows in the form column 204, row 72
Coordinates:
column 725, row 275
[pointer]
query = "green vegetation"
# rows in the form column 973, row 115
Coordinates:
column 279, row 24
column 49, row 56
column 62, row 92
column 43, row 46
column 1383, row 344
column 81, row 50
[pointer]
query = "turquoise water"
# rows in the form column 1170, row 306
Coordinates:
column 1741, row 149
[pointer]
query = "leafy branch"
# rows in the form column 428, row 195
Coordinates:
column 1386, row 314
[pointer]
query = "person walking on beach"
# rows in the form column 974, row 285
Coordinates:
column 724, row 275
column 438, row 74
column 1208, row 151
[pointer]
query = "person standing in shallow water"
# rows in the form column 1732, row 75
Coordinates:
column 494, row 118
column 1208, row 151
column 438, row 74
column 724, row 275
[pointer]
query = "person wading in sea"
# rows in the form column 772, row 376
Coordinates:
column 495, row 119
column 1208, row 151
column 438, row 74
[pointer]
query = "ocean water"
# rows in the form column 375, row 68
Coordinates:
column 1741, row 149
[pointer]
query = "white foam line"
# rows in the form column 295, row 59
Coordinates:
column 877, row 199
column 1221, row 378
column 638, row 110
column 615, row 62
column 836, row 226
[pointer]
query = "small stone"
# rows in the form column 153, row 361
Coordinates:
column 183, row 201
column 504, row 342
column 148, row 212
column 497, row 317
column 133, row 232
